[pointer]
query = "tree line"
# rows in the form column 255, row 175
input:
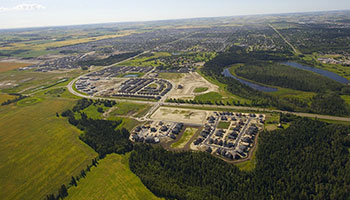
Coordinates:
column 240, row 55
column 308, row 160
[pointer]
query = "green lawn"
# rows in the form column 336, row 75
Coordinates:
column 129, row 109
column 224, row 125
column 248, row 165
column 200, row 89
column 92, row 112
column 210, row 96
column 112, row 179
column 189, row 132
column 39, row 152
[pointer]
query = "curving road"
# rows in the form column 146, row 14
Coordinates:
column 162, row 102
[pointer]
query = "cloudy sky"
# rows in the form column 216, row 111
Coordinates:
column 30, row 13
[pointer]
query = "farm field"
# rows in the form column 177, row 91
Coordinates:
column 112, row 179
column 189, row 132
column 29, row 81
column 7, row 66
column 39, row 151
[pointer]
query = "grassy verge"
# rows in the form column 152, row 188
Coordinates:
column 200, row 89
column 189, row 132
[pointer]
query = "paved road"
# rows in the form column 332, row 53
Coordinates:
column 163, row 103
column 285, row 40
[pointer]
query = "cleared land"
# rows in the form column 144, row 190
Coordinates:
column 7, row 66
column 190, row 82
column 112, row 179
column 180, row 115
column 189, row 132
column 39, row 151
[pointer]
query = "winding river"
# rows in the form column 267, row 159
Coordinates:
column 227, row 73
column 322, row 72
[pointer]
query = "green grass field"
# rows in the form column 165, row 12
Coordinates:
column 5, row 97
column 39, row 152
column 200, row 89
column 189, row 132
column 130, row 109
column 210, row 96
column 248, row 165
column 224, row 125
column 226, row 95
column 112, row 179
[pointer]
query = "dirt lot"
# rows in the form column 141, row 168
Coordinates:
column 190, row 82
column 188, row 116
column 7, row 66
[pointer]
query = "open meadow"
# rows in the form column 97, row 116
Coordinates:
column 111, row 179
column 39, row 151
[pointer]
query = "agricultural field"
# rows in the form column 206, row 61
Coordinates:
column 111, row 179
column 39, row 151
column 187, row 135
column 8, row 66
column 27, row 82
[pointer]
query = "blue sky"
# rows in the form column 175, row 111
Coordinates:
column 29, row 13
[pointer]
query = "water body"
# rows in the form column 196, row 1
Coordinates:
column 131, row 75
column 227, row 73
column 322, row 72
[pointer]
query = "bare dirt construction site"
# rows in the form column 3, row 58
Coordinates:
column 7, row 66
column 185, row 86
column 189, row 116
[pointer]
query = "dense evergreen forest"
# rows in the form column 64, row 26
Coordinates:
column 101, row 135
column 287, row 77
column 308, row 160
column 236, row 55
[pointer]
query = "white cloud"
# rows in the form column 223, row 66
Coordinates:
column 22, row 7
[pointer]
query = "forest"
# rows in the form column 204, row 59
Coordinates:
column 287, row 77
column 101, row 135
column 308, row 160
column 240, row 55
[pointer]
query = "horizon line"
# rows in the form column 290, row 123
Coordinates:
column 170, row 19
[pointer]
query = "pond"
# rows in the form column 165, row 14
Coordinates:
column 131, row 75
column 322, row 72
column 227, row 73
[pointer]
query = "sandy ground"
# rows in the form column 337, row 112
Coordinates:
column 189, row 116
column 190, row 82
